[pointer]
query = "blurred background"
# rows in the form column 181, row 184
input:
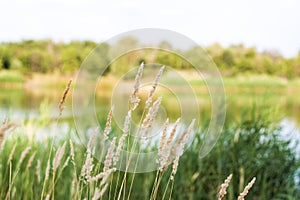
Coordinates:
column 255, row 45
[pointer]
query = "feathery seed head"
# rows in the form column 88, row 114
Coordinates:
column 134, row 99
column 47, row 170
column 246, row 190
column 223, row 188
column 175, row 166
column 148, row 121
column 58, row 156
column 155, row 83
column 72, row 150
column 163, row 138
column 29, row 163
column 23, row 154
column 12, row 152
column 108, row 124
column 38, row 170
column 109, row 155
column 63, row 99
column 92, row 139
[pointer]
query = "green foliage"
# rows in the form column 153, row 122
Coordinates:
column 246, row 149
column 251, row 148
column 11, row 77
column 44, row 55
column 47, row 56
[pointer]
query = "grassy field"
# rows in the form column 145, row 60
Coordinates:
column 249, row 148
column 11, row 79
column 51, row 80
column 35, row 166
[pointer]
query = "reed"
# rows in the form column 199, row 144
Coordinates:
column 63, row 98
column 180, row 174
column 246, row 190
column 224, row 186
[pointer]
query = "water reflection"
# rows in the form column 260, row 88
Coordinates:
column 20, row 104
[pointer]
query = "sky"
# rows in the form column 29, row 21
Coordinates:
column 264, row 24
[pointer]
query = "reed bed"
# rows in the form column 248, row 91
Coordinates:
column 65, row 169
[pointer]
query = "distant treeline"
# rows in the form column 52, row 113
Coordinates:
column 48, row 56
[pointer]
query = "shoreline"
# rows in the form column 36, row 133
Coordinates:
column 17, row 80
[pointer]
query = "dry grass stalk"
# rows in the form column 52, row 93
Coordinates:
column 108, row 124
column 177, row 151
column 178, row 148
column 2, row 131
column 99, row 193
column 47, row 197
column 58, row 156
column 66, row 163
column 175, row 166
column 137, row 78
column 63, row 99
column 155, row 83
column 96, row 194
column 12, row 152
column 92, row 139
column 6, row 126
column 73, row 184
column 167, row 147
column 118, row 151
column 4, row 122
column 103, row 190
column 134, row 99
column 72, row 150
column 98, row 176
column 246, row 190
column 103, row 175
column 88, row 166
column 13, row 192
column 47, row 170
column 123, row 137
column 224, row 187
column 29, row 163
column 38, row 170
column 109, row 155
column 127, row 123
column 23, row 154
column 2, row 144
column 172, row 134
column 163, row 138
column 148, row 121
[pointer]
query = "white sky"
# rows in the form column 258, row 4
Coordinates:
column 266, row 24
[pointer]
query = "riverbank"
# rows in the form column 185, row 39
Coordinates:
column 16, row 79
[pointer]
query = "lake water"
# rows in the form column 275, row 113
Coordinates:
column 21, row 104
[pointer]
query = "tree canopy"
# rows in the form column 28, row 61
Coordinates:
column 47, row 56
